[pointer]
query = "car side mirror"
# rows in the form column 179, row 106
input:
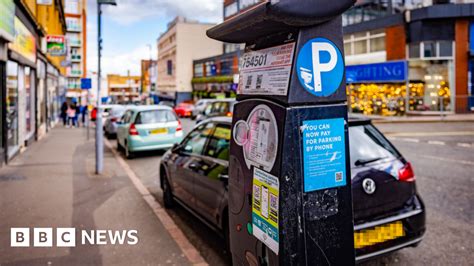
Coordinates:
column 223, row 177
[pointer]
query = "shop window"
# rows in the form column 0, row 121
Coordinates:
column 429, row 49
column 445, row 48
column 12, row 105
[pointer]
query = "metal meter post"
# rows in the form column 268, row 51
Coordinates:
column 289, row 177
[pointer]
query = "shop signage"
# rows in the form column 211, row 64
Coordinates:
column 56, row 45
column 7, row 18
column 24, row 42
column 392, row 71
column 471, row 38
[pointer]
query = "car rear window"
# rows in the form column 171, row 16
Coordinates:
column 155, row 116
column 367, row 144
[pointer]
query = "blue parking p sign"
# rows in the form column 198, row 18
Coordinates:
column 86, row 83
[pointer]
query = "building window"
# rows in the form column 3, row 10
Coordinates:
column 198, row 71
column 72, row 6
column 414, row 50
column 243, row 4
column 445, row 48
column 429, row 49
column 169, row 67
column 230, row 10
column 364, row 42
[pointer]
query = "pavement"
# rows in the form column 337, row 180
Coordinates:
column 52, row 184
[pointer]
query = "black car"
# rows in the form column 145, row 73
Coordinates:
column 386, row 203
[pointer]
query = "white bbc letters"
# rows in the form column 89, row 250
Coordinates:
column 43, row 237
column 65, row 237
column 20, row 237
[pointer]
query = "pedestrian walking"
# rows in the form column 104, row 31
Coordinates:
column 84, row 114
column 63, row 114
column 76, row 117
column 71, row 114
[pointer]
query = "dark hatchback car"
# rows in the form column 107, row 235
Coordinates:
column 388, row 212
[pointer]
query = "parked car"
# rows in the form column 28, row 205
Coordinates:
column 167, row 103
column 145, row 128
column 105, row 112
column 184, row 109
column 224, row 107
column 194, row 174
column 199, row 107
column 110, row 124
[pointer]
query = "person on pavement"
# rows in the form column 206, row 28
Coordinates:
column 64, row 108
column 71, row 114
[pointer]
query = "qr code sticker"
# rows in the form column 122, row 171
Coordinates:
column 338, row 176
column 259, row 81
column 249, row 82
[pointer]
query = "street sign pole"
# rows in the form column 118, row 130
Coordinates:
column 99, row 145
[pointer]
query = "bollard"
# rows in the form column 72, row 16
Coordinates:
column 289, row 177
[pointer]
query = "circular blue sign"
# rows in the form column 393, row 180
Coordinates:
column 320, row 67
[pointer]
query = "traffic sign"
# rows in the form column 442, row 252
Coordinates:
column 86, row 83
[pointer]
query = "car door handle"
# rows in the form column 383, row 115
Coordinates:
column 223, row 177
column 193, row 166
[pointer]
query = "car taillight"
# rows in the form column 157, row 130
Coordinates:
column 133, row 130
column 180, row 127
column 114, row 119
column 229, row 114
column 406, row 173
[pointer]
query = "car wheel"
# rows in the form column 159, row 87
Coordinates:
column 128, row 153
column 168, row 199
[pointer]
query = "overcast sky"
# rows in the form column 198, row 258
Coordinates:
column 130, row 26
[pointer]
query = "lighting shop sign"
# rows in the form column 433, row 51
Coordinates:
column 392, row 71
column 56, row 45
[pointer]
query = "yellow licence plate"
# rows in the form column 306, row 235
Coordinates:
column 159, row 131
column 378, row 234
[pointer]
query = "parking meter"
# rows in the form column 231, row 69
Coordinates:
column 289, row 172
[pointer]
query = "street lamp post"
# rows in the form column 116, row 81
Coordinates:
column 99, row 142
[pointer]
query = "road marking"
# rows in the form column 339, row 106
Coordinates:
column 411, row 140
column 191, row 253
column 466, row 145
column 428, row 134
column 435, row 142
column 448, row 160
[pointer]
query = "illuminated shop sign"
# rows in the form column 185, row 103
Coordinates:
column 393, row 71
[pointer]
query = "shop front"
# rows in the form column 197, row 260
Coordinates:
column 380, row 89
column 20, row 88
column 52, row 95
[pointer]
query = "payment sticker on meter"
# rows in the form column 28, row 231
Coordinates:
column 265, row 196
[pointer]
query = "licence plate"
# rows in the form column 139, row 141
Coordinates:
column 159, row 131
column 378, row 234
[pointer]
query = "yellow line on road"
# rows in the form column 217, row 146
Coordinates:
column 191, row 253
column 448, row 160
column 430, row 134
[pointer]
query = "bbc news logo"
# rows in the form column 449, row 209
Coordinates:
column 66, row 237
